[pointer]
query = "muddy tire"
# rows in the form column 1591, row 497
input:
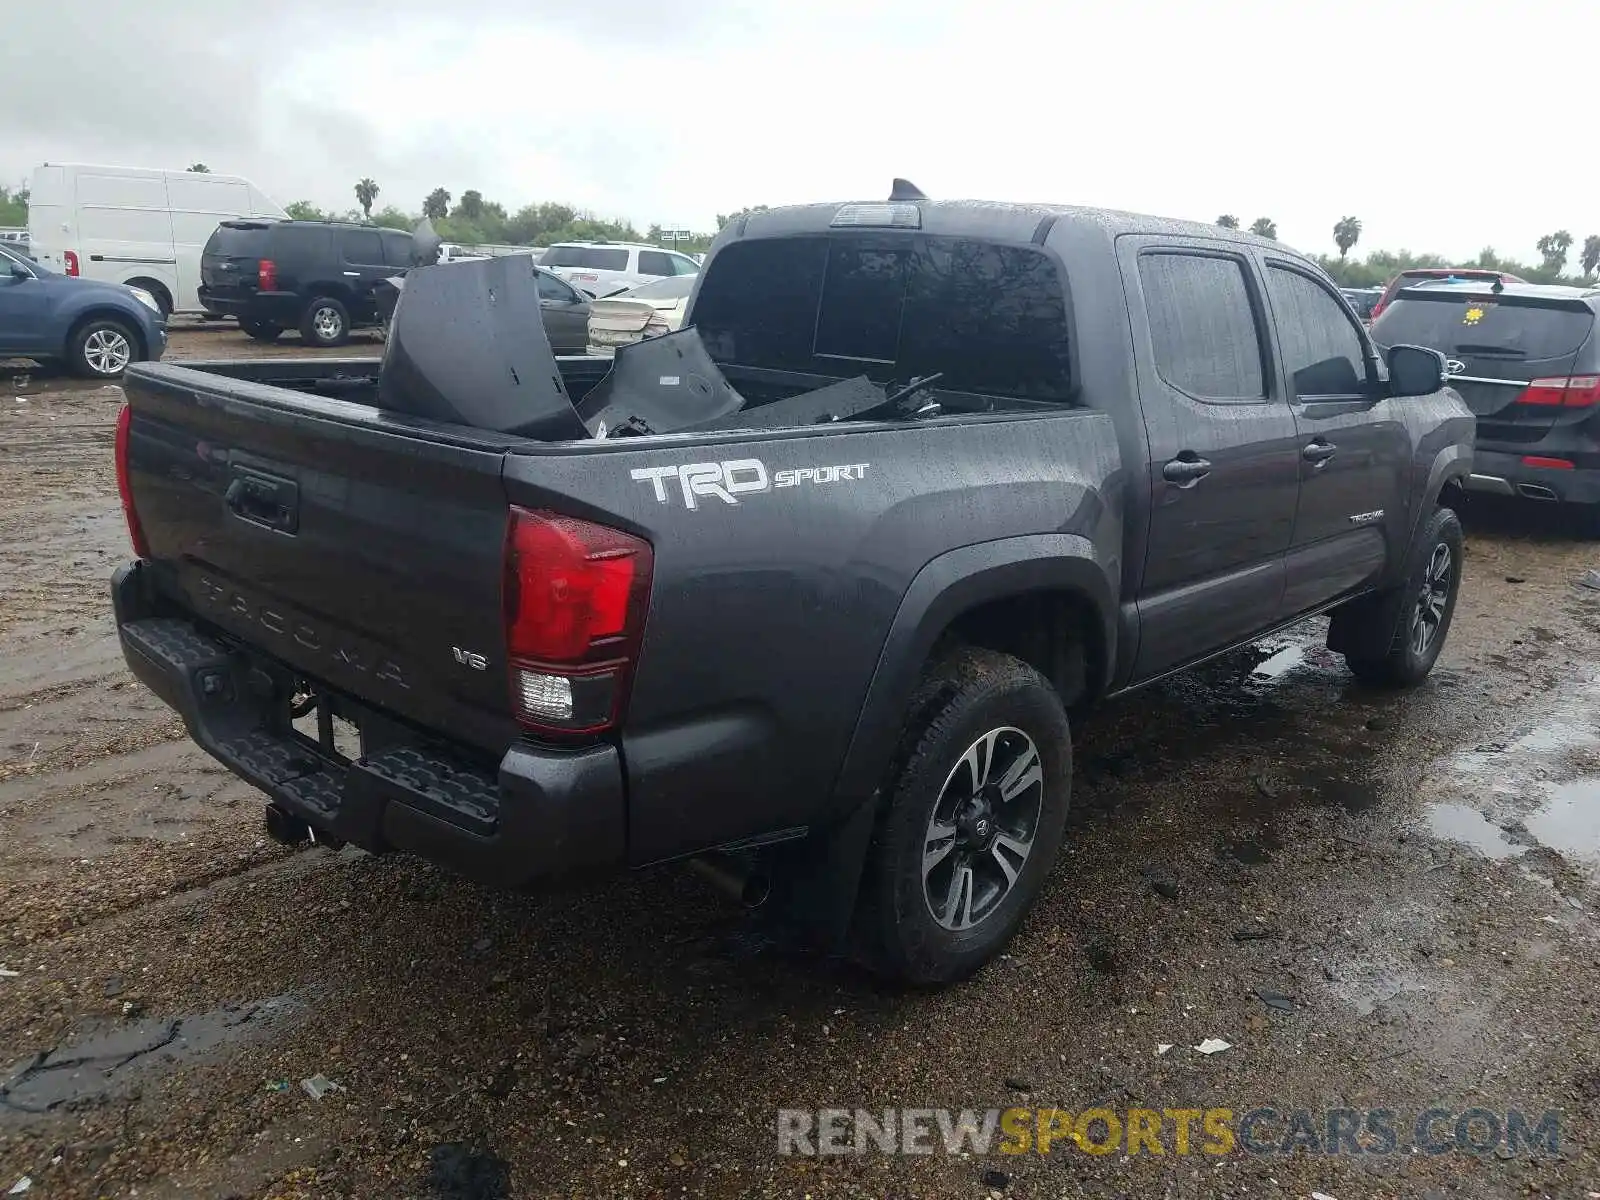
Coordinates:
column 1418, row 611
column 975, row 806
column 326, row 322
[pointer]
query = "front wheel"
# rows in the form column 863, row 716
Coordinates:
column 976, row 808
column 101, row 349
column 1420, row 608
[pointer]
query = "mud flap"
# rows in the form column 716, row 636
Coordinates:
column 1365, row 627
column 815, row 880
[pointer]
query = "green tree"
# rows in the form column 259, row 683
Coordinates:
column 1553, row 249
column 437, row 205
column 200, row 168
column 471, row 205
column 304, row 210
column 366, row 192
column 393, row 218
column 1228, row 221
column 1264, row 227
column 1591, row 255
column 13, row 206
column 1346, row 233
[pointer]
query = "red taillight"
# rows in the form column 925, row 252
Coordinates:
column 141, row 548
column 70, row 258
column 1549, row 464
column 1563, row 391
column 575, row 600
column 267, row 275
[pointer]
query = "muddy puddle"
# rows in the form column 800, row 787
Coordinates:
column 1536, row 789
column 107, row 1057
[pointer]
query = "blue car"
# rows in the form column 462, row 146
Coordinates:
column 96, row 329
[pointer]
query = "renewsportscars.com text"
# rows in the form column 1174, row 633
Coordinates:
column 1264, row 1129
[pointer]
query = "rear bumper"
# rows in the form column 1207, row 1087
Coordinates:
column 1498, row 473
column 271, row 308
column 539, row 815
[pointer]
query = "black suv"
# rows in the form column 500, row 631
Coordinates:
column 1526, row 360
column 314, row 276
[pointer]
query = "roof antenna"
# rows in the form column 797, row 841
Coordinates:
column 904, row 189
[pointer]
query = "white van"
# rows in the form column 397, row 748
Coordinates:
column 136, row 226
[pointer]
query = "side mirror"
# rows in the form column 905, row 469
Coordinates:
column 20, row 271
column 1415, row 371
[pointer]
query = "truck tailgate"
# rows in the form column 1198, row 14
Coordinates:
column 363, row 551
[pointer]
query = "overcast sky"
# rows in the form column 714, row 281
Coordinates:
column 1432, row 122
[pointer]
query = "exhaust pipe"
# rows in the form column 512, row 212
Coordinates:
column 733, row 877
column 1536, row 491
column 286, row 828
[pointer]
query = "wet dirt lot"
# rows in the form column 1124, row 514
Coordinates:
column 1379, row 901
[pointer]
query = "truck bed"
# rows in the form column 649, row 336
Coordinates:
column 361, row 555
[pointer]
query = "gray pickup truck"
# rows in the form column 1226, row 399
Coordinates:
column 805, row 593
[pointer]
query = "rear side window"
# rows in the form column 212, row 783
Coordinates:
column 654, row 262
column 397, row 249
column 1203, row 325
column 233, row 242
column 1457, row 324
column 593, row 258
column 361, row 246
column 991, row 318
column 1321, row 348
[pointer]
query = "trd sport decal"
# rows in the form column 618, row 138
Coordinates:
column 735, row 477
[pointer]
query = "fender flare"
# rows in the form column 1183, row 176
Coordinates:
column 942, row 590
column 1452, row 462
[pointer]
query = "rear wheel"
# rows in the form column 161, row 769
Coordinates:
column 261, row 332
column 976, row 808
column 1418, row 611
column 101, row 349
column 326, row 322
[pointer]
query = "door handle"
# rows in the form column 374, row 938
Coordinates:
column 270, row 501
column 354, row 274
column 1319, row 452
column 1185, row 472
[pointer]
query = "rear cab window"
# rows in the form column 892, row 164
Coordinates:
column 992, row 318
column 1203, row 325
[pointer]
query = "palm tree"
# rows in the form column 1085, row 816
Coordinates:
column 437, row 204
column 1553, row 248
column 1346, row 233
column 1228, row 221
column 366, row 193
column 1264, row 227
column 1591, row 254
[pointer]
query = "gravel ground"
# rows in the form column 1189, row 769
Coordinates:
column 1412, row 879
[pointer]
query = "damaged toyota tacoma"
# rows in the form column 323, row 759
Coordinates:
column 809, row 592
